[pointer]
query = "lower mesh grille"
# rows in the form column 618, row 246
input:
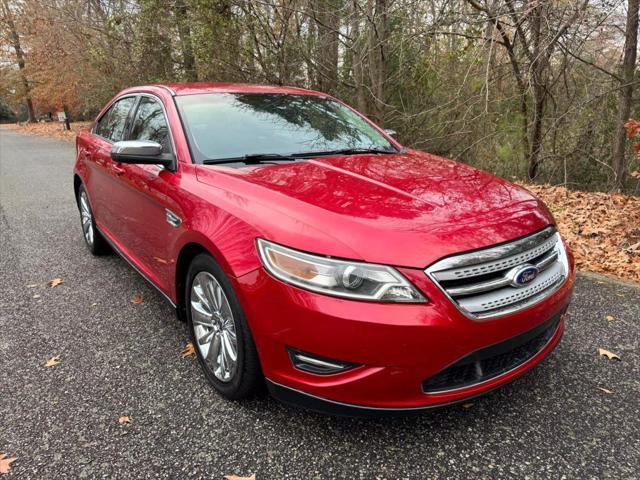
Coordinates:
column 493, row 361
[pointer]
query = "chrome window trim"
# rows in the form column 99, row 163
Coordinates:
column 121, row 97
column 166, row 117
column 138, row 95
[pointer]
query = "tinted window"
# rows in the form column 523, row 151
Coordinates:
column 111, row 125
column 151, row 124
column 224, row 125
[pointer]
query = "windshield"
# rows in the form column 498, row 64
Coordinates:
column 230, row 125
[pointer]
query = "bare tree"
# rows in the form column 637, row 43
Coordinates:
column 625, row 95
column 14, row 39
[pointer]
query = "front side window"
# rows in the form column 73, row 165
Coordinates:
column 229, row 125
column 112, row 124
column 151, row 124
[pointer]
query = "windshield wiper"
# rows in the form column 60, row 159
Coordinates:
column 343, row 151
column 255, row 158
column 252, row 158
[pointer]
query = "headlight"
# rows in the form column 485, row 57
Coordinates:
column 339, row 278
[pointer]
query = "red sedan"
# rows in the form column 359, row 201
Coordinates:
column 305, row 246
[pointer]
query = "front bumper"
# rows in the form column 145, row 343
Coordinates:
column 397, row 346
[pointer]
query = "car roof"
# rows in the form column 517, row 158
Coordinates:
column 196, row 88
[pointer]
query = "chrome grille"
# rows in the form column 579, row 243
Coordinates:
column 482, row 284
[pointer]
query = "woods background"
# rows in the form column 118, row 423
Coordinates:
column 535, row 89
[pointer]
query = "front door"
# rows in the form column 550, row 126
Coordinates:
column 148, row 223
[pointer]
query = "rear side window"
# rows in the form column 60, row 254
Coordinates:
column 112, row 124
column 151, row 124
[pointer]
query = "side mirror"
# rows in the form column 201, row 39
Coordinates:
column 391, row 133
column 142, row 152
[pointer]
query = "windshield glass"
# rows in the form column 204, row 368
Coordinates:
column 230, row 125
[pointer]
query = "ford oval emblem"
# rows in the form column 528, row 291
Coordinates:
column 523, row 275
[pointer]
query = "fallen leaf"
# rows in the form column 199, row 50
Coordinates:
column 605, row 390
column 635, row 174
column 124, row 419
column 36, row 296
column 467, row 405
column 609, row 318
column 608, row 354
column 236, row 477
column 33, row 285
column 5, row 463
column 52, row 361
column 137, row 299
column 55, row 282
column 188, row 350
column 94, row 304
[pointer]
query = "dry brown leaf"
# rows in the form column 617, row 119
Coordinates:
column 137, row 299
column 124, row 419
column 606, row 390
column 467, row 405
column 55, row 282
column 52, row 361
column 188, row 350
column 608, row 354
column 609, row 318
column 602, row 229
column 5, row 463
column 51, row 129
column 635, row 174
column 236, row 477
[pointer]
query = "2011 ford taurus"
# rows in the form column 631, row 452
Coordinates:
column 307, row 248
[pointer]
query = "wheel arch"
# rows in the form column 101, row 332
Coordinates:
column 77, row 181
column 187, row 253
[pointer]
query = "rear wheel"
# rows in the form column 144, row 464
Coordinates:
column 222, row 340
column 93, row 238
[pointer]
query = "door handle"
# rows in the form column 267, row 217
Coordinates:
column 117, row 170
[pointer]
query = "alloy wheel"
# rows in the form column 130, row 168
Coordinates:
column 214, row 327
column 87, row 220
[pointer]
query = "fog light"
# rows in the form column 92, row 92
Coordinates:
column 318, row 365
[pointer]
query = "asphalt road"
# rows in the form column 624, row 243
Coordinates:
column 117, row 358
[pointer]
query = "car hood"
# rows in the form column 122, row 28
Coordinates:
column 406, row 209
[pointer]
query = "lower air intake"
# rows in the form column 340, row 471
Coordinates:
column 493, row 361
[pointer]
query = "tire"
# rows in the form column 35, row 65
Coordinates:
column 94, row 240
column 214, row 314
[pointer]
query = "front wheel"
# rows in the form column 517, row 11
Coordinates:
column 223, row 343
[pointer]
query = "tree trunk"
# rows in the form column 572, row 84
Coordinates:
column 359, row 56
column 378, row 58
column 326, row 54
column 15, row 43
column 536, row 129
column 538, row 67
column 625, row 95
column 184, row 33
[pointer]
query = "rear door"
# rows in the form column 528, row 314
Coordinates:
column 148, row 224
column 109, row 128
